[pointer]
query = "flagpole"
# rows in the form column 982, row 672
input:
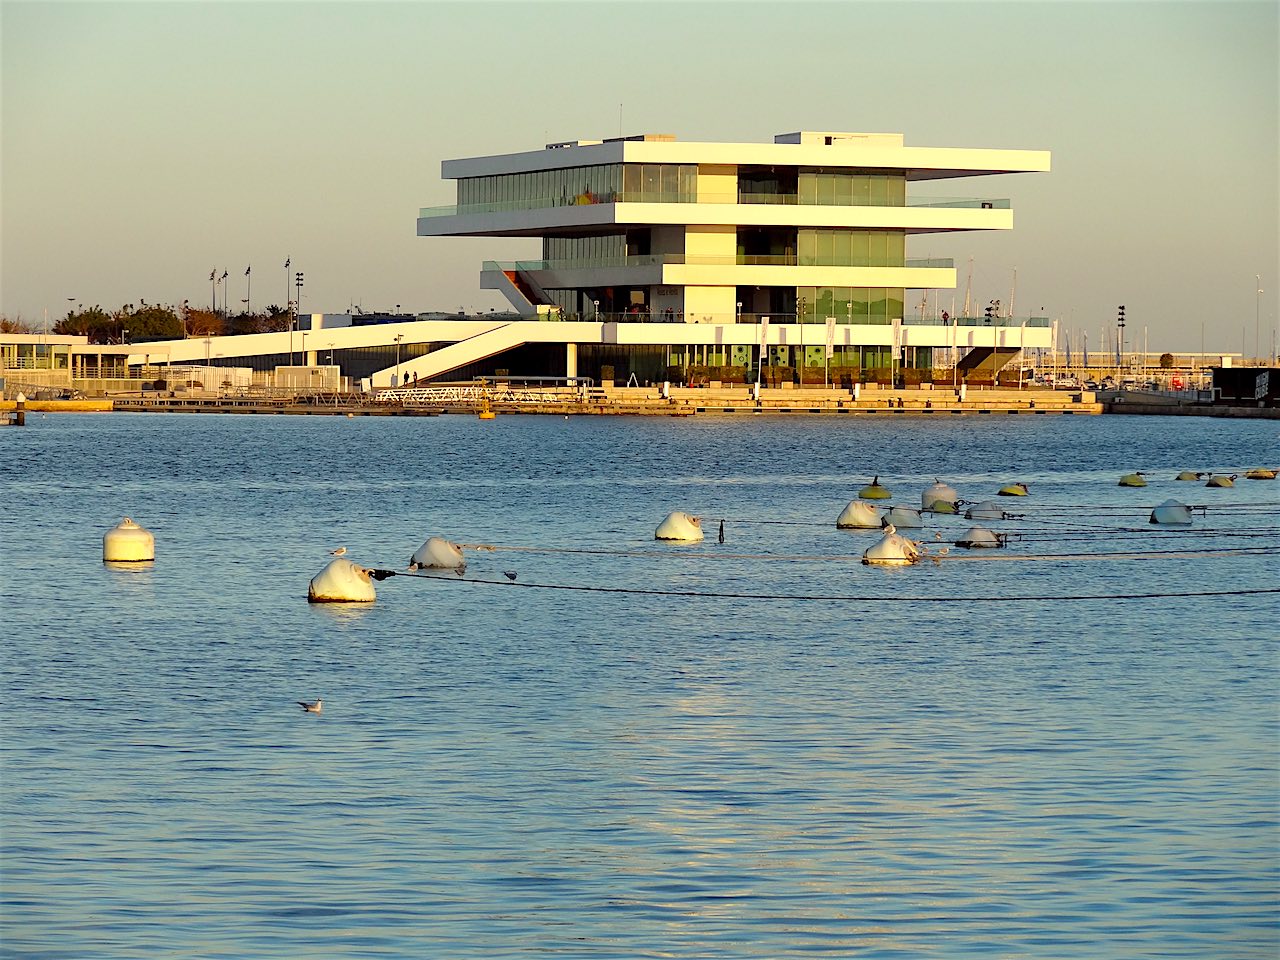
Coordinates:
column 248, row 289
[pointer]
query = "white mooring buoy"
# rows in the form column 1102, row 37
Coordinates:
column 986, row 510
column 128, row 543
column 893, row 550
column 860, row 516
column 978, row 538
column 680, row 527
column 438, row 554
column 341, row 582
column 903, row 518
column 1171, row 512
column 939, row 498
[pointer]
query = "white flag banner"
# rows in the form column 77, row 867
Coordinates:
column 764, row 335
column 831, row 337
column 897, row 336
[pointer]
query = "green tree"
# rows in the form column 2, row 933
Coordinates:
column 94, row 323
column 1166, row 361
column 152, row 322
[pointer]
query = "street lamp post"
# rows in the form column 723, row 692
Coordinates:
column 597, row 305
column 297, row 310
column 398, row 338
column 1257, row 318
column 1119, row 346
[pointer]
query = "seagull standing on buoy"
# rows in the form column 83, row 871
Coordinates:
column 340, row 552
column 316, row 707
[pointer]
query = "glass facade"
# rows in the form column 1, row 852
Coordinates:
column 598, row 249
column 852, row 248
column 602, row 183
column 850, row 304
column 843, row 187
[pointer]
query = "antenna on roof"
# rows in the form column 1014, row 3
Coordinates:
column 619, row 119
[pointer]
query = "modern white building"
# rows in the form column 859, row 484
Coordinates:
column 659, row 253
column 663, row 260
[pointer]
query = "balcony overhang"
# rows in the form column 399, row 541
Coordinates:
column 585, row 218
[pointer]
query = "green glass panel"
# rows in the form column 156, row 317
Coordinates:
column 808, row 248
column 825, row 241
column 860, row 247
column 842, row 248
column 807, row 187
column 844, row 189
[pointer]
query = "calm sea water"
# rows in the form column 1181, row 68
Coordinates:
column 508, row 770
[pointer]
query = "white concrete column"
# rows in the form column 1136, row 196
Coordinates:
column 570, row 359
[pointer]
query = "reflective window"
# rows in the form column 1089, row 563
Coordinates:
column 851, row 248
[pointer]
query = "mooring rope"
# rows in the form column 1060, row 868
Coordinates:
column 710, row 594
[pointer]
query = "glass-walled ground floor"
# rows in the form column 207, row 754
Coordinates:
column 644, row 304
column 646, row 365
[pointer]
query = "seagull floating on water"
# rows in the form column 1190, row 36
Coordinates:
column 340, row 552
column 509, row 574
column 316, row 707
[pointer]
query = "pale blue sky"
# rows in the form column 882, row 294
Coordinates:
column 145, row 144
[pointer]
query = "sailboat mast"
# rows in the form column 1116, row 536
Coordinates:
column 968, row 289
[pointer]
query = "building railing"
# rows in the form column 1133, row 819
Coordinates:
column 641, row 314
column 588, row 263
column 785, row 199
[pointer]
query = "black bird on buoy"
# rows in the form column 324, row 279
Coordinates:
column 509, row 574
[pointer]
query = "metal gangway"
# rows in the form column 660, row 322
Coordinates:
column 506, row 390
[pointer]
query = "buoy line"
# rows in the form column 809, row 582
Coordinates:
column 1156, row 530
column 1115, row 555
column 710, row 594
column 857, row 558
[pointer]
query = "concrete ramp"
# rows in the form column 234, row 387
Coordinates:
column 459, row 354
column 985, row 363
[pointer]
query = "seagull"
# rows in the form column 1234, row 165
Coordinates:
column 509, row 574
column 316, row 707
column 340, row 552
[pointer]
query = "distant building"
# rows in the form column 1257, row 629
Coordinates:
column 808, row 229
column 1247, row 386
column 662, row 260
